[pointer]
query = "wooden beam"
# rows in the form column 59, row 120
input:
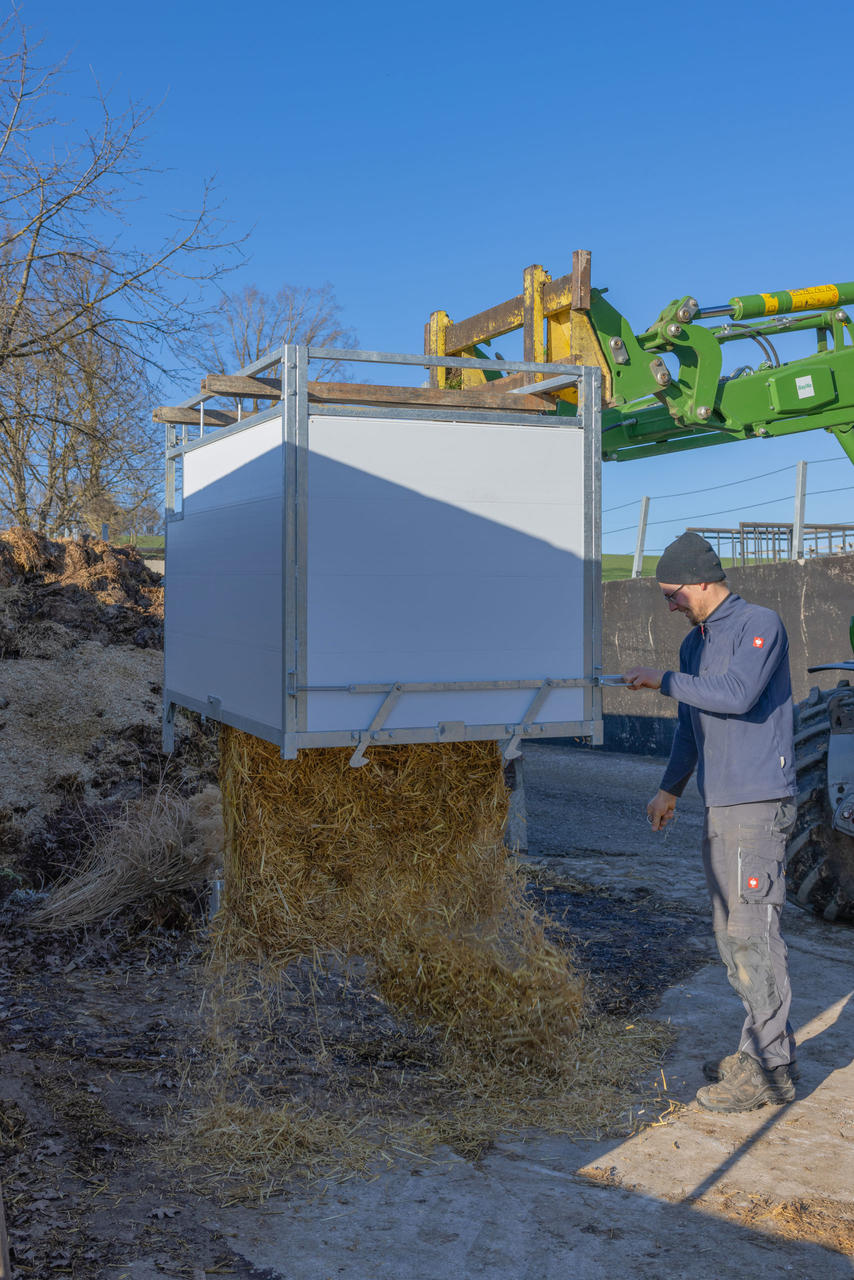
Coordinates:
column 486, row 397
column 180, row 417
column 232, row 384
column 489, row 396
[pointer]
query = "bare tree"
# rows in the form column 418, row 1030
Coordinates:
column 77, row 446
column 250, row 322
column 50, row 201
column 86, row 321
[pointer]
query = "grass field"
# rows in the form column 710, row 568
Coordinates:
column 151, row 544
column 613, row 567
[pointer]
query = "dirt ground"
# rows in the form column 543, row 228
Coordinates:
column 107, row 1031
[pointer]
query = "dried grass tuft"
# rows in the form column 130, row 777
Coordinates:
column 158, row 845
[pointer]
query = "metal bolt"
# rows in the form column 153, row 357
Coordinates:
column 660, row 371
column 674, row 330
column 618, row 350
column 704, row 412
column 840, row 315
column 687, row 312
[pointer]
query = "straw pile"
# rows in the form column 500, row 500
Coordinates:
column 398, row 869
column 400, row 862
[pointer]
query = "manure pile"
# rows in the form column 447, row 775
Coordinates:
column 56, row 593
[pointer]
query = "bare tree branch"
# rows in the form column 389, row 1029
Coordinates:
column 49, row 199
column 87, row 319
column 250, row 322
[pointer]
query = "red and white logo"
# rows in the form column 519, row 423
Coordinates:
column 758, row 642
column 753, row 883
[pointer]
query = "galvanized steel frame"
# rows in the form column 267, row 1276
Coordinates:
column 294, row 410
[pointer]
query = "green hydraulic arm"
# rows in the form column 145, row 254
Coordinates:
column 647, row 408
column 652, row 412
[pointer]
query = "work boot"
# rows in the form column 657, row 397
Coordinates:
column 745, row 1087
column 717, row 1069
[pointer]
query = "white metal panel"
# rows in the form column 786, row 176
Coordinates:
column 443, row 551
column 224, row 577
column 241, row 467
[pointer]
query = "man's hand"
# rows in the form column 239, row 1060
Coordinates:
column 643, row 678
column 661, row 810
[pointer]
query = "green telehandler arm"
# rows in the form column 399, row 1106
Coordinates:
column 648, row 410
column 651, row 412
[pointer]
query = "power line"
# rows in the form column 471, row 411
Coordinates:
column 843, row 489
column 708, row 515
column 687, row 493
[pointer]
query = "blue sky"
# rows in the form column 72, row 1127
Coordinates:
column 419, row 157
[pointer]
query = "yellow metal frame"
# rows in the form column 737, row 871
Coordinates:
column 552, row 315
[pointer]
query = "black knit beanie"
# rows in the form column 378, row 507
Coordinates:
column 690, row 559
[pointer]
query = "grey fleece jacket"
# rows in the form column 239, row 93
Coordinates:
column 735, row 708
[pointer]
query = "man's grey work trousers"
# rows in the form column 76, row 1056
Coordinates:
column 744, row 859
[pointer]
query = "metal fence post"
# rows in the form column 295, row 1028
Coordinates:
column 800, row 508
column 637, row 567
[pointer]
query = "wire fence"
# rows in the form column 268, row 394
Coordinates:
column 750, row 539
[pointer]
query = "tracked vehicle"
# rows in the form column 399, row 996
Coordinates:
column 820, row 853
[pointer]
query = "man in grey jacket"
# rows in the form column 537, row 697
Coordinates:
column 735, row 727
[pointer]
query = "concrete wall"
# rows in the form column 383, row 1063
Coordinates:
column 815, row 599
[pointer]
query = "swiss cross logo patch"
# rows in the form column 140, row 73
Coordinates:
column 758, row 642
column 753, row 883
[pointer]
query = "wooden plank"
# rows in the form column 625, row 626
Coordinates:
column 232, row 384
column 180, row 417
column 486, row 397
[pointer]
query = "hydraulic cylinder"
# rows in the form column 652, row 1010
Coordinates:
column 818, row 297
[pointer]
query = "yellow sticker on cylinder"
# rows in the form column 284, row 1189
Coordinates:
column 772, row 303
column 820, row 295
